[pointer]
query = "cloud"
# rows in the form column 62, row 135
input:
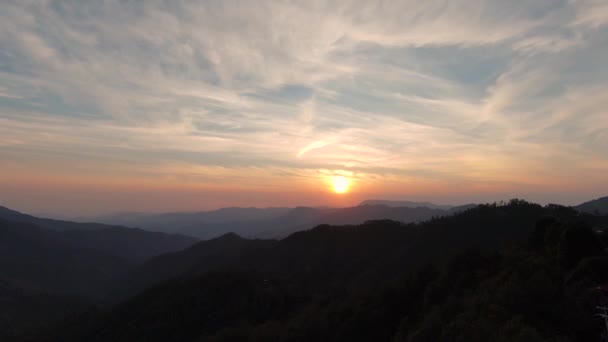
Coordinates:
column 590, row 13
column 445, row 92
column 313, row 146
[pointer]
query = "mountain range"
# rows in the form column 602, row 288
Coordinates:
column 408, row 204
column 366, row 248
column 40, row 255
column 277, row 222
column 69, row 281
column 508, row 272
column 128, row 243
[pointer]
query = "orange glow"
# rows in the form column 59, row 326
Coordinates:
column 340, row 184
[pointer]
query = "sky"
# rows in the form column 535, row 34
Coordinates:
column 111, row 106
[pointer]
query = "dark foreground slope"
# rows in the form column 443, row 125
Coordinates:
column 518, row 272
column 24, row 313
column 44, row 279
column 35, row 260
column 229, row 250
column 50, row 269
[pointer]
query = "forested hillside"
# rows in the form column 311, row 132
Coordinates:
column 512, row 272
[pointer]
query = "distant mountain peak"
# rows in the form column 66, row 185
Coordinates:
column 407, row 204
column 229, row 236
column 597, row 206
column 11, row 214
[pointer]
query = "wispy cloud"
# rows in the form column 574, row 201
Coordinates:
column 440, row 93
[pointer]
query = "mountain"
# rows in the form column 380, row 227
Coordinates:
column 302, row 218
column 277, row 222
column 297, row 219
column 128, row 243
column 595, row 207
column 514, row 272
column 408, row 204
column 30, row 312
column 179, row 221
column 12, row 215
column 203, row 225
column 50, row 269
column 350, row 254
column 360, row 214
column 41, row 261
column 224, row 251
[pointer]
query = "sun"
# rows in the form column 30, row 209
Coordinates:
column 340, row 184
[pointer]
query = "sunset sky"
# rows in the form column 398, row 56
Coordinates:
column 110, row 106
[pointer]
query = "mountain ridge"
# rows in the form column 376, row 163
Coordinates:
column 596, row 206
column 129, row 243
column 310, row 248
column 409, row 204
column 280, row 222
column 463, row 277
